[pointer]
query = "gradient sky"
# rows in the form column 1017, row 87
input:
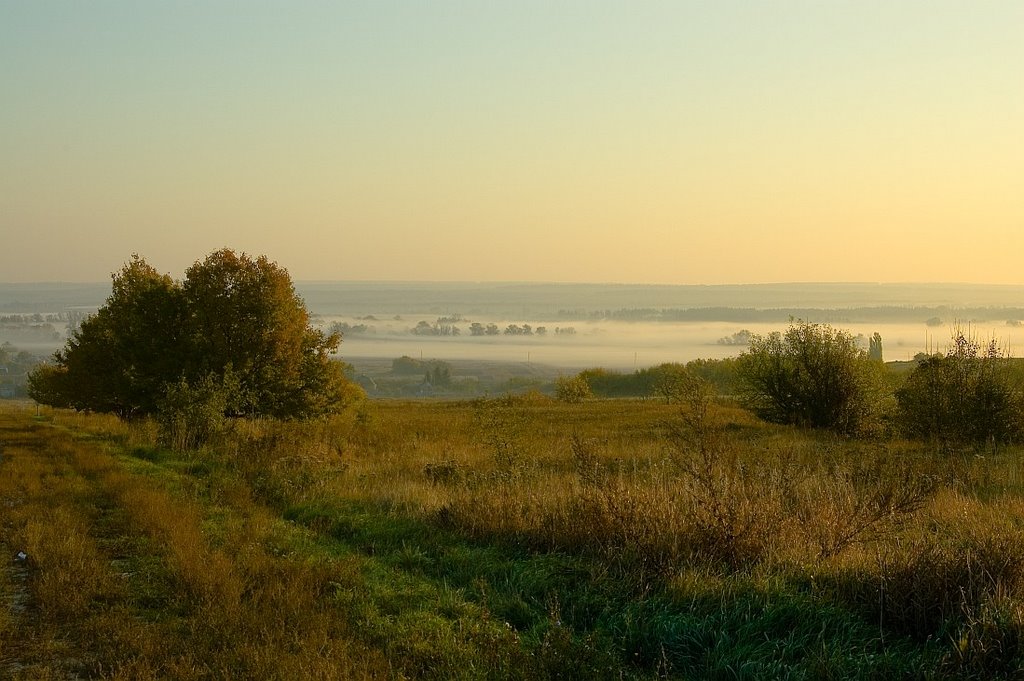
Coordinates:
column 651, row 142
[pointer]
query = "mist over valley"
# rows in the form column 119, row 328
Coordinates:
column 574, row 326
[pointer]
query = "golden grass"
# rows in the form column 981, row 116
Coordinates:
column 888, row 527
column 240, row 611
column 925, row 546
column 604, row 475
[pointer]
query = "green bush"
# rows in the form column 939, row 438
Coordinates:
column 662, row 380
column 721, row 373
column 610, row 383
column 191, row 415
column 965, row 397
column 674, row 382
column 813, row 375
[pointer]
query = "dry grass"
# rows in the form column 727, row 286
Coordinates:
column 696, row 503
column 618, row 476
column 928, row 547
column 123, row 582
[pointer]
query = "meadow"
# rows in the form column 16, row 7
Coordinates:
column 512, row 538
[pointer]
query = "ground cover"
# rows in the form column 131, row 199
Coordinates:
column 505, row 538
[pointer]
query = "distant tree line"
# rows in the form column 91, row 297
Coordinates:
column 741, row 337
column 44, row 332
column 345, row 329
column 66, row 317
column 441, row 327
column 37, row 327
column 478, row 329
column 661, row 381
column 410, row 366
column 932, row 315
column 446, row 327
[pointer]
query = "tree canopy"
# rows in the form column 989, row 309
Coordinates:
column 233, row 321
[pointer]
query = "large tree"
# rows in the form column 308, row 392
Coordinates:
column 245, row 317
column 233, row 320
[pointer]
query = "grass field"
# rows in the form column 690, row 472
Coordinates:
column 505, row 538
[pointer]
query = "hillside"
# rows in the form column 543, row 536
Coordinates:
column 507, row 538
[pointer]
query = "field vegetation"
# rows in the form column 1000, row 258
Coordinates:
column 514, row 537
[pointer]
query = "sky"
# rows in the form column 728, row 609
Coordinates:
column 675, row 142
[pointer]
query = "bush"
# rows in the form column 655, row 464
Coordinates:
column 964, row 397
column 572, row 389
column 674, row 382
column 191, row 415
column 813, row 375
column 721, row 373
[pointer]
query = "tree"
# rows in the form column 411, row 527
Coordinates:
column 812, row 375
column 406, row 365
column 963, row 397
column 673, row 382
column 741, row 337
column 441, row 374
column 875, row 347
column 424, row 328
column 119, row 359
column 244, row 315
column 233, row 322
column 721, row 373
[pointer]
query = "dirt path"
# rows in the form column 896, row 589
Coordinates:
column 125, row 576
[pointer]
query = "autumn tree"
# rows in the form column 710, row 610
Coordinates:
column 572, row 389
column 233, row 322
column 244, row 316
column 119, row 359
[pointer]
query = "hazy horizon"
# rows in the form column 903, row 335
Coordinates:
column 617, row 326
column 687, row 142
column 361, row 295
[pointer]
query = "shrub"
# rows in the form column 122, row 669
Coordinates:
column 191, row 415
column 721, row 373
column 606, row 383
column 813, row 375
column 673, row 382
column 503, row 425
column 964, row 397
column 572, row 389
